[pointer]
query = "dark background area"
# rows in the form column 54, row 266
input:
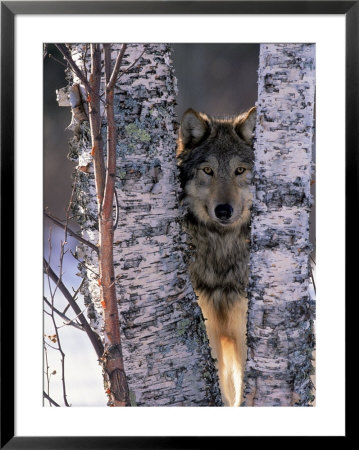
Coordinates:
column 218, row 79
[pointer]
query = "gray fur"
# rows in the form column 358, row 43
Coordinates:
column 222, row 253
column 220, row 267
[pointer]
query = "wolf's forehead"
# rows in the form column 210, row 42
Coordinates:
column 227, row 143
column 226, row 152
column 225, row 161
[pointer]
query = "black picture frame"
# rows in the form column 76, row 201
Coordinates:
column 9, row 10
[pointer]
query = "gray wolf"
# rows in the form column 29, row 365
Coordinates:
column 216, row 160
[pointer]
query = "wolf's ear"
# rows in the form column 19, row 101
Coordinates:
column 194, row 128
column 244, row 125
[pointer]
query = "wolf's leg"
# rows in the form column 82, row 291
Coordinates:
column 217, row 353
column 238, row 329
column 228, row 370
column 227, row 340
column 222, row 349
column 214, row 331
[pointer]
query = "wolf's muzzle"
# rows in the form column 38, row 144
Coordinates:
column 223, row 212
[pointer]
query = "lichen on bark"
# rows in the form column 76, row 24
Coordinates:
column 280, row 319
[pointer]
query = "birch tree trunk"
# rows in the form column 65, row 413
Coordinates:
column 166, row 352
column 280, row 329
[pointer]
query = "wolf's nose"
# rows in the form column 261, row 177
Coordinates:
column 223, row 212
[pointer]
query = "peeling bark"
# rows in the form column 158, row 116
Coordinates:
column 165, row 348
column 280, row 328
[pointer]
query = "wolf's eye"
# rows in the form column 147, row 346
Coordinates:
column 240, row 170
column 208, row 170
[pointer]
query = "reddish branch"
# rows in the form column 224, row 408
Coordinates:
column 94, row 103
column 111, row 79
column 112, row 358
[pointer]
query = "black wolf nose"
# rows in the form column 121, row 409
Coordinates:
column 223, row 212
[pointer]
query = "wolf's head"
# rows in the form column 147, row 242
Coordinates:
column 216, row 160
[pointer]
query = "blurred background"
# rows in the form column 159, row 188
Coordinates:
column 218, row 79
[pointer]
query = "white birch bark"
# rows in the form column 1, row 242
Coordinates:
column 166, row 352
column 280, row 333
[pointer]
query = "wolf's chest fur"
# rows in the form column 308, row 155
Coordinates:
column 219, row 269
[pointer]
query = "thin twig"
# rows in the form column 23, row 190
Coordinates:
column 84, row 59
column 50, row 399
column 47, row 370
column 51, row 346
column 72, row 233
column 96, row 123
column 117, row 211
column 58, row 282
column 50, row 254
column 84, row 265
column 113, row 78
column 57, row 60
column 63, row 316
column 312, row 277
column 58, row 342
column 96, row 343
column 67, row 55
column 74, row 296
column 123, row 72
column 71, row 322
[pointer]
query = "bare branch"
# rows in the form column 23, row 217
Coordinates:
column 51, row 346
column 84, row 59
column 312, row 277
column 95, row 122
column 131, row 65
column 59, row 347
column 72, row 233
column 57, row 60
column 74, row 296
column 113, row 361
column 117, row 211
column 63, row 316
column 107, row 63
column 84, row 265
column 111, row 83
column 67, row 55
column 95, row 341
column 76, row 317
column 50, row 399
column 47, row 370
column 111, row 357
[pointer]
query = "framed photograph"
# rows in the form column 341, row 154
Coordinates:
column 219, row 49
